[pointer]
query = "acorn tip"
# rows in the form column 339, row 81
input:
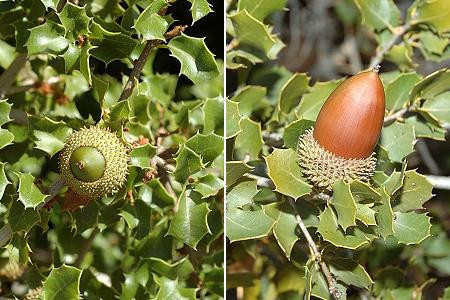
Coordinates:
column 376, row 68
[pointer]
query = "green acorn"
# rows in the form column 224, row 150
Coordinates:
column 94, row 162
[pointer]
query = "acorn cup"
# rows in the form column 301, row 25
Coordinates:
column 341, row 144
column 94, row 162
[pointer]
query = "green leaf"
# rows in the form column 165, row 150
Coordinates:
column 425, row 129
column 284, row 229
column 242, row 194
column 434, row 13
column 75, row 21
column 141, row 156
column 379, row 14
column 197, row 62
column 249, row 139
column 5, row 109
column 313, row 101
column 411, row 228
column 50, row 4
column 53, row 141
column 415, row 192
column 181, row 269
column 247, row 224
column 285, row 173
column 397, row 92
column 187, row 163
column 29, row 194
column 71, row 57
column 438, row 107
column 84, row 62
column 3, row 179
column 250, row 99
column 294, row 130
column 171, row 289
column 292, row 90
column 350, row 272
column 6, row 138
column 208, row 146
column 385, row 215
column 62, row 283
column 21, row 218
column 150, row 25
column 329, row 229
column 213, row 116
column 250, row 33
column 233, row 118
column 401, row 55
column 235, row 170
column 110, row 46
column 365, row 214
column 208, row 185
column 344, row 204
column 47, row 38
column 363, row 192
column 398, row 139
column 190, row 224
column 260, row 9
column 432, row 85
column 199, row 9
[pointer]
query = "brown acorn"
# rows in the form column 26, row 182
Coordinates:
column 345, row 134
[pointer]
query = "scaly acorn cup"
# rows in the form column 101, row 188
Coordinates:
column 94, row 162
column 341, row 144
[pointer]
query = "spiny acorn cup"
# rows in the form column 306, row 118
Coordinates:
column 341, row 144
column 94, row 162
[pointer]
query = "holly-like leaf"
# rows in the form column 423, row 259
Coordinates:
column 209, row 146
column 85, row 68
column 250, row 98
column 213, row 116
column 398, row 139
column 47, row 38
column 330, row 231
column 350, row 272
column 50, row 3
column 284, row 229
column 249, row 139
column 141, row 156
column 190, row 223
column 235, row 170
column 241, row 194
column 110, row 46
column 438, row 107
column 385, row 215
column 53, row 141
column 5, row 109
column 6, row 138
column 21, row 218
column 208, row 185
column 415, row 191
column 285, row 173
column 397, row 92
column 199, row 9
column 181, row 269
column 434, row 13
column 233, row 118
column 363, row 192
column 171, row 289
column 292, row 90
column 293, row 131
column 365, row 214
column 411, row 228
column 29, row 194
column 379, row 14
column 62, row 283
column 432, row 85
column 197, row 62
column 150, row 25
column 3, row 179
column 260, row 9
column 313, row 101
column 425, row 129
column 344, row 204
column 401, row 55
column 251, row 33
column 71, row 57
column 75, row 21
column 188, row 163
column 247, row 224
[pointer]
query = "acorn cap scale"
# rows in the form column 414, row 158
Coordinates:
column 94, row 162
column 340, row 147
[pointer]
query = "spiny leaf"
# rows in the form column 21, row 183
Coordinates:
column 29, row 194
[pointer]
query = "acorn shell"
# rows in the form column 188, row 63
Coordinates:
column 95, row 140
column 350, row 121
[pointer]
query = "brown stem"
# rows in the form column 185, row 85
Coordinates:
column 316, row 253
column 399, row 32
column 8, row 77
column 396, row 115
